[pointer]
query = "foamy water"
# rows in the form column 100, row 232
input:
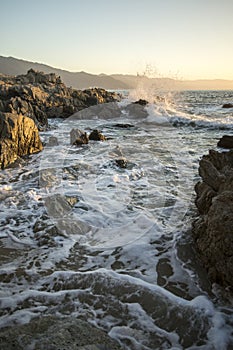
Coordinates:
column 81, row 236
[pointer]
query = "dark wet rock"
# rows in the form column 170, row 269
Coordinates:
column 41, row 96
column 18, row 137
column 123, row 125
column 227, row 105
column 56, row 333
column 212, row 231
column 141, row 102
column 96, row 135
column 226, row 142
column 121, row 163
column 78, row 137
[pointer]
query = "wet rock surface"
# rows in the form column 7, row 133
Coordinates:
column 212, row 231
column 96, row 135
column 227, row 105
column 54, row 333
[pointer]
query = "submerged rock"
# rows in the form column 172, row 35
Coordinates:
column 19, row 136
column 212, row 231
column 227, row 105
column 78, row 137
column 226, row 142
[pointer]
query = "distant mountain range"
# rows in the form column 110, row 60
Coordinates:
column 83, row 80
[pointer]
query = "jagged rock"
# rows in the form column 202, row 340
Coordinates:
column 18, row 137
column 226, row 142
column 227, row 105
column 41, row 96
column 96, row 135
column 78, row 137
column 121, row 162
column 141, row 102
column 212, row 231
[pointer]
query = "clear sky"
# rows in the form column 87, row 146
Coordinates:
column 188, row 39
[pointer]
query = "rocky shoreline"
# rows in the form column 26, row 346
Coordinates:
column 213, row 230
column 26, row 103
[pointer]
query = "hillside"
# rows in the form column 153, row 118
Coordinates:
column 79, row 80
column 83, row 80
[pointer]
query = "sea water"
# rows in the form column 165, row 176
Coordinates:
column 82, row 236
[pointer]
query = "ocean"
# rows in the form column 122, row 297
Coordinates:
column 82, row 234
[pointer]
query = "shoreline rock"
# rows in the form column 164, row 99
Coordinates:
column 26, row 103
column 41, row 96
column 19, row 136
column 213, row 230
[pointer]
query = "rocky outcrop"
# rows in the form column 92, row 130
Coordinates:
column 213, row 230
column 226, row 142
column 41, row 96
column 26, row 103
column 18, row 137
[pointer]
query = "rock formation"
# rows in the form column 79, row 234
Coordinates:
column 96, row 135
column 213, row 230
column 41, row 96
column 26, row 103
column 18, row 137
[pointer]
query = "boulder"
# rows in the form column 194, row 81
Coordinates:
column 121, row 162
column 96, row 135
column 18, row 137
column 227, row 105
column 212, row 231
column 226, row 142
column 78, row 137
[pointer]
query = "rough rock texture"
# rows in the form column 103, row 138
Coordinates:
column 213, row 230
column 18, row 137
column 54, row 333
column 96, row 135
column 41, row 96
column 78, row 137
column 226, row 142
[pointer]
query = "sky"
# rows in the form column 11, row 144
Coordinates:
column 184, row 39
